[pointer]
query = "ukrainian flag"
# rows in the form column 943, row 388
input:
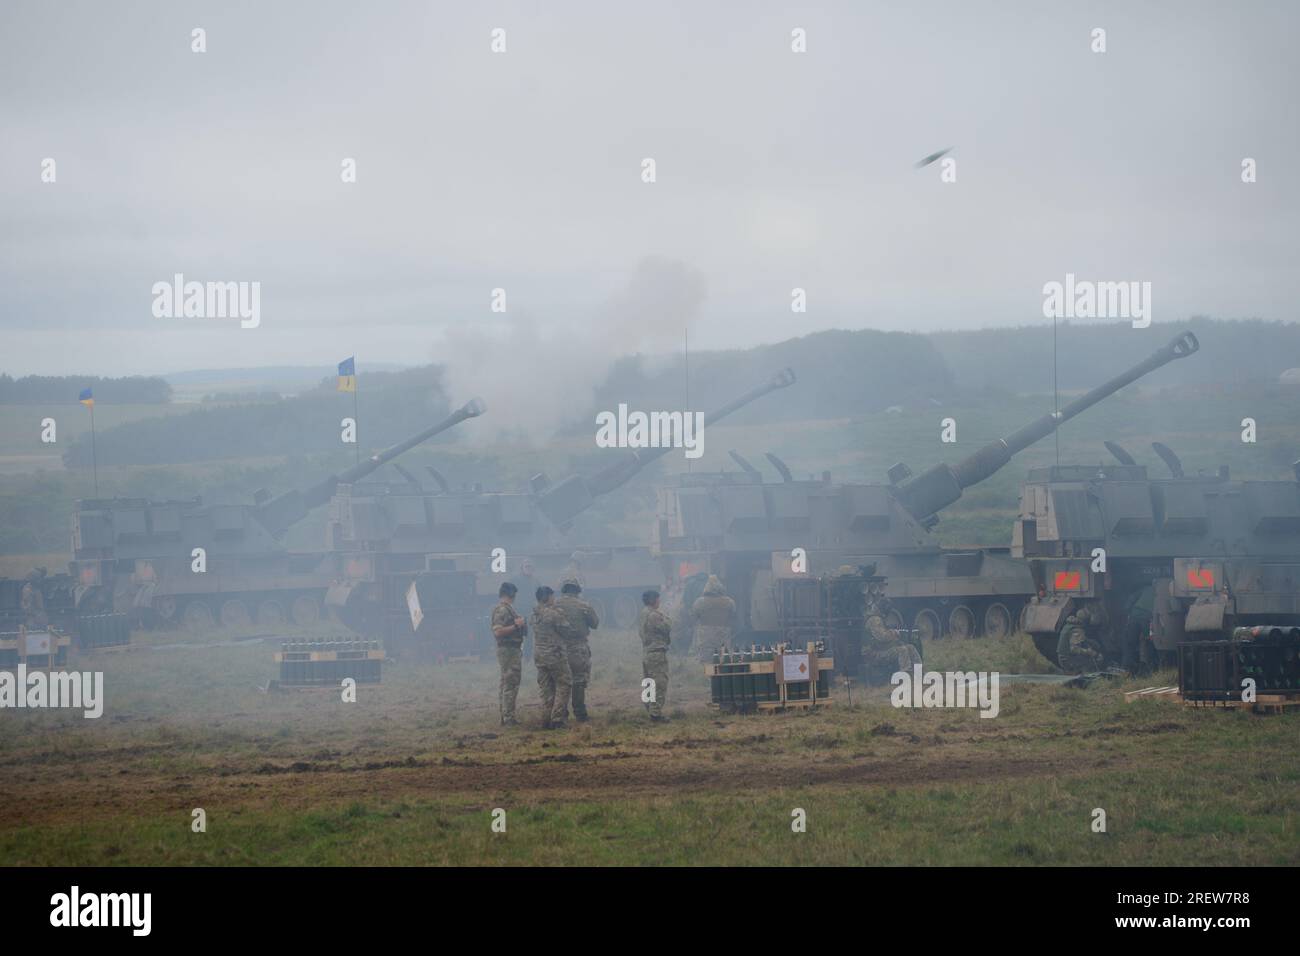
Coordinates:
column 348, row 375
column 87, row 398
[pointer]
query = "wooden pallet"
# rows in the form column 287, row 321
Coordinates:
column 776, row 706
column 299, row 657
column 1159, row 693
column 1263, row 704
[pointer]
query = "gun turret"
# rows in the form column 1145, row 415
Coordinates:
column 941, row 485
column 286, row 510
column 565, row 501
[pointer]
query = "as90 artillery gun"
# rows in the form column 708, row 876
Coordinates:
column 746, row 531
column 1131, row 565
column 422, row 566
column 137, row 556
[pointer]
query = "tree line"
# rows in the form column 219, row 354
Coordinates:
column 64, row 389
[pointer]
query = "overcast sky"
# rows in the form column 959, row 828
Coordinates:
column 522, row 171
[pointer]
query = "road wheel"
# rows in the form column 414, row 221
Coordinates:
column 306, row 611
column 997, row 620
column 270, row 614
column 961, row 622
column 625, row 610
column 893, row 619
column 927, row 625
column 165, row 607
column 234, row 614
column 198, row 616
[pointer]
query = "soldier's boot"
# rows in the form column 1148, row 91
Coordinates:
column 580, row 703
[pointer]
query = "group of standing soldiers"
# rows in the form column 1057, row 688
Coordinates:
column 562, row 652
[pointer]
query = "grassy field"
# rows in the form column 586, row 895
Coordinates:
column 411, row 772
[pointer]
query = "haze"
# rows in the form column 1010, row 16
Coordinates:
column 522, row 171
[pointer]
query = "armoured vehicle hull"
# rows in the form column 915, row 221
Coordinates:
column 1156, row 561
column 142, row 557
column 753, row 533
column 389, row 536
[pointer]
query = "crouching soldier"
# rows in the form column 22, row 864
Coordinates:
column 554, row 680
column 509, row 629
column 583, row 620
column 884, row 652
column 1076, row 652
column 656, row 631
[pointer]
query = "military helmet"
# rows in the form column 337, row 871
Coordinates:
column 570, row 582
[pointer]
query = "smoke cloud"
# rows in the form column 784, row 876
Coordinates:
column 539, row 373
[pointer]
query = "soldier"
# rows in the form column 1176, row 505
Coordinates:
column 656, row 631
column 582, row 618
column 32, row 601
column 713, row 612
column 884, row 648
column 1075, row 651
column 550, row 630
column 509, row 629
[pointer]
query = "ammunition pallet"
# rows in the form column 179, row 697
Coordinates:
column 41, row 649
column 102, row 630
column 754, row 680
column 316, row 664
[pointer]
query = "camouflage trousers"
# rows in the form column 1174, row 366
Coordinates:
column 708, row 638
column 887, row 660
column 554, row 681
column 579, row 654
column 510, row 657
column 654, row 664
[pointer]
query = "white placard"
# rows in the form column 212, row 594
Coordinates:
column 413, row 605
column 795, row 668
column 38, row 643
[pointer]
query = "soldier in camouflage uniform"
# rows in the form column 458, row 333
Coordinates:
column 1076, row 652
column 582, row 618
column 656, row 635
column 713, row 612
column 550, row 630
column 32, row 602
column 509, row 629
column 884, row 649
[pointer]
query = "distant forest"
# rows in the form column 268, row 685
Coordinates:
column 393, row 405
column 64, row 389
column 842, row 374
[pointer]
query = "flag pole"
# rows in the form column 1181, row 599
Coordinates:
column 356, row 416
column 94, row 457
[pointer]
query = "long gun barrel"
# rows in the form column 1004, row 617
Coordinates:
column 286, row 510
column 943, row 484
column 575, row 494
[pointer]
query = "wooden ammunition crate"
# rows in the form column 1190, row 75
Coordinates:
column 35, row 649
column 754, row 681
column 329, row 663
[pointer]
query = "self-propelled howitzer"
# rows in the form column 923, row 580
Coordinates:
column 184, row 560
column 746, row 531
column 461, row 544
